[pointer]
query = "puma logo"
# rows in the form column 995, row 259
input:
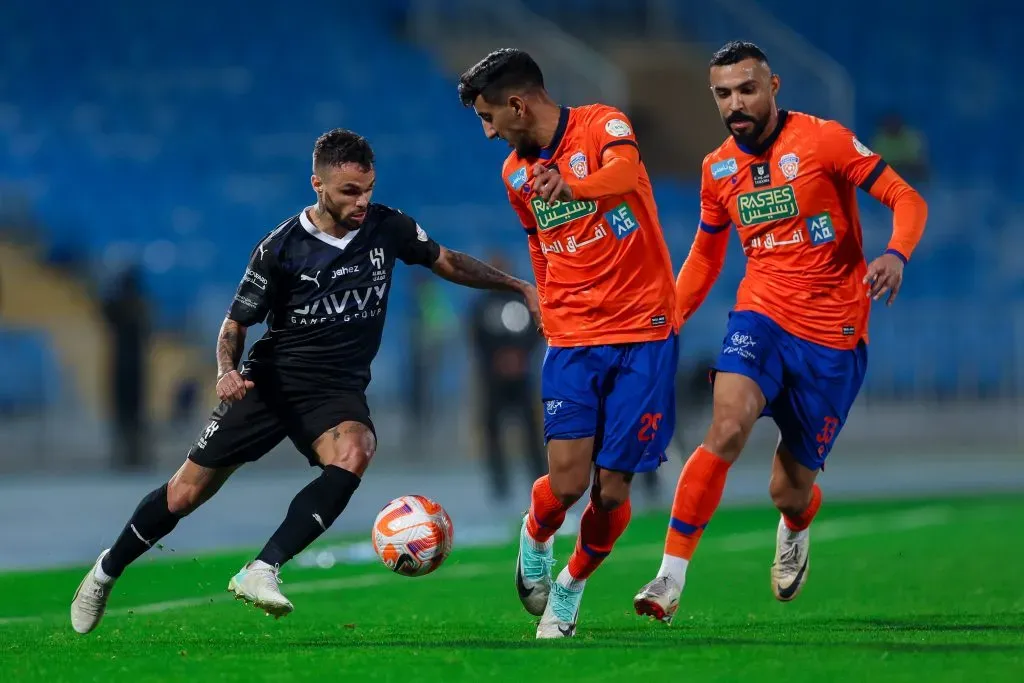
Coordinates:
column 313, row 279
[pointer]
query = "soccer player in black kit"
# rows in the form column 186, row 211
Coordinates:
column 321, row 279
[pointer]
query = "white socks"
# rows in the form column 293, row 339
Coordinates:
column 674, row 568
column 565, row 580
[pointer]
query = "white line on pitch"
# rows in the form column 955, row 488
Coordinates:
column 826, row 530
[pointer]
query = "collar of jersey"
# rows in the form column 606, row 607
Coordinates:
column 339, row 242
column 769, row 141
column 563, row 123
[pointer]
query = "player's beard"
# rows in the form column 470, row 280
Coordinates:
column 338, row 218
column 526, row 148
column 748, row 139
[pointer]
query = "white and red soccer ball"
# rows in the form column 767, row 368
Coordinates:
column 412, row 535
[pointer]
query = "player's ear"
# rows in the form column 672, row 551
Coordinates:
column 317, row 184
column 518, row 105
column 776, row 82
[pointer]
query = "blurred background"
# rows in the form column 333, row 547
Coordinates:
column 145, row 148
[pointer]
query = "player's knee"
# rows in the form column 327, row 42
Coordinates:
column 608, row 500
column 183, row 498
column 355, row 458
column 788, row 499
column 349, row 446
column 611, row 490
column 727, row 437
column 569, row 486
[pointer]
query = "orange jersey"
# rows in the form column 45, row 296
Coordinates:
column 794, row 206
column 603, row 269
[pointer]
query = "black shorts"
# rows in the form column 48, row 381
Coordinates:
column 246, row 430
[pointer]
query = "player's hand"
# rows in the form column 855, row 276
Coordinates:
column 532, row 301
column 885, row 273
column 231, row 386
column 549, row 184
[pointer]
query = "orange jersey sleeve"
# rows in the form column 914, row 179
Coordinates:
column 707, row 254
column 619, row 173
column 867, row 170
column 607, row 273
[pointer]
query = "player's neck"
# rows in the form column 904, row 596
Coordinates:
column 548, row 115
column 769, row 130
column 773, row 123
column 325, row 224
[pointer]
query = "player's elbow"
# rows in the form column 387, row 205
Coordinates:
column 232, row 326
column 630, row 176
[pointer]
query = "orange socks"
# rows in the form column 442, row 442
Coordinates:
column 546, row 512
column 697, row 496
column 599, row 529
column 805, row 518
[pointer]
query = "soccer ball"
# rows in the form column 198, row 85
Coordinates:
column 412, row 535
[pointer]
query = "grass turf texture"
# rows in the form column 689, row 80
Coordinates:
column 908, row 590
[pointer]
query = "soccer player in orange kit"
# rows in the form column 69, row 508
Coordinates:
column 607, row 298
column 796, row 343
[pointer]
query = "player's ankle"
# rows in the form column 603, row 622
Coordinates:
column 102, row 574
column 538, row 545
column 674, row 568
column 568, row 581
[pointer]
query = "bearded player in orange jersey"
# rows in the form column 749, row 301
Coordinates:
column 607, row 298
column 796, row 343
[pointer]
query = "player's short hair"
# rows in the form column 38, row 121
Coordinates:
column 736, row 51
column 340, row 146
column 498, row 72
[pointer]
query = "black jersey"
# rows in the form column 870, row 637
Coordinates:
column 324, row 298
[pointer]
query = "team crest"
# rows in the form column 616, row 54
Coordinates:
column 790, row 165
column 578, row 164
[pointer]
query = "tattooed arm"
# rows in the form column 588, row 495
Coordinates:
column 463, row 269
column 231, row 386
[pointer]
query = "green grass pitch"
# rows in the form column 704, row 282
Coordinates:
column 916, row 590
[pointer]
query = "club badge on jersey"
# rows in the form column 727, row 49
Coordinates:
column 789, row 164
column 578, row 164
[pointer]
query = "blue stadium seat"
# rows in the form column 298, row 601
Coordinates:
column 30, row 379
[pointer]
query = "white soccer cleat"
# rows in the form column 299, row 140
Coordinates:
column 257, row 584
column 658, row 599
column 533, row 573
column 792, row 561
column 90, row 601
column 560, row 614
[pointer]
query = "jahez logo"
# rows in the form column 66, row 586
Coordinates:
column 347, row 270
column 327, row 309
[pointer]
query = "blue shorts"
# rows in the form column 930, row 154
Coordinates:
column 623, row 395
column 809, row 388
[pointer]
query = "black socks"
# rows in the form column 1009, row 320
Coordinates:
column 311, row 513
column 150, row 522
